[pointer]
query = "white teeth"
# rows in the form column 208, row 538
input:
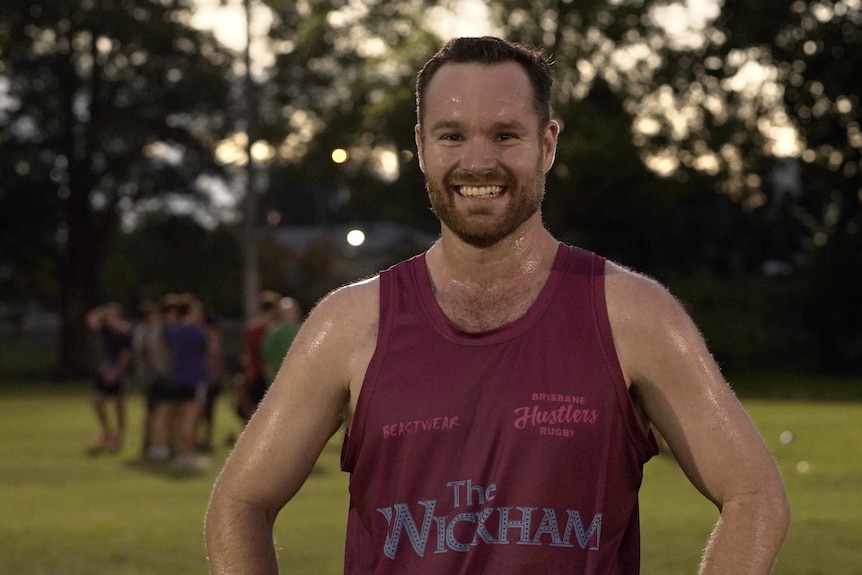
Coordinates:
column 480, row 191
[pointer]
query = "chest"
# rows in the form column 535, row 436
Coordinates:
column 476, row 308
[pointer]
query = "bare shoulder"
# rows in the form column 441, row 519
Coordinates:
column 339, row 337
column 346, row 319
column 652, row 330
column 354, row 306
column 634, row 298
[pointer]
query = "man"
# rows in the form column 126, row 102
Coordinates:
column 152, row 362
column 498, row 389
column 175, row 418
column 278, row 337
column 114, row 334
column 254, row 384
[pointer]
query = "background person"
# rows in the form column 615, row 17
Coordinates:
column 278, row 337
column 113, row 335
column 499, row 388
column 151, row 361
column 253, row 384
column 175, row 421
column 216, row 370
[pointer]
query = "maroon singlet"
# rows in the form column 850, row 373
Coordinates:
column 512, row 451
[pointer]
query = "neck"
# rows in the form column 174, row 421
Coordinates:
column 483, row 288
column 528, row 251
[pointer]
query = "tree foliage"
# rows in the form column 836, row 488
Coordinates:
column 110, row 105
column 173, row 253
column 343, row 78
column 810, row 56
column 668, row 160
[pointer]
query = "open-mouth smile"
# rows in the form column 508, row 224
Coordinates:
column 479, row 191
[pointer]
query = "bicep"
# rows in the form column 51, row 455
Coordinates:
column 301, row 411
column 682, row 391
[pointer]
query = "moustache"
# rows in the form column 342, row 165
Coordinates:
column 468, row 178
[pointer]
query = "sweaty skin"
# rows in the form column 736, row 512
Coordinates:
column 484, row 156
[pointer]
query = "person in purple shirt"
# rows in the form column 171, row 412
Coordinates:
column 176, row 417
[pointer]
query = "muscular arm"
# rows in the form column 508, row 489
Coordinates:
column 275, row 454
column 681, row 390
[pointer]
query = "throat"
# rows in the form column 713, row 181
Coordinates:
column 475, row 309
column 481, row 290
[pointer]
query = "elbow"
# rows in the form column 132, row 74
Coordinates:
column 766, row 510
column 214, row 519
column 778, row 504
column 228, row 513
column 770, row 510
column 781, row 510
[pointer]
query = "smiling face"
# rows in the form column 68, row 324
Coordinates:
column 483, row 151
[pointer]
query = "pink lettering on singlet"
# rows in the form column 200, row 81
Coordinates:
column 443, row 423
column 535, row 416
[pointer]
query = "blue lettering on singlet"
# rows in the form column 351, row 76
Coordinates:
column 515, row 524
column 404, row 520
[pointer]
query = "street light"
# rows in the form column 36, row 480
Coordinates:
column 340, row 155
column 356, row 238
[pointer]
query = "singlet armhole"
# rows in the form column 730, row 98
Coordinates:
column 356, row 431
column 643, row 440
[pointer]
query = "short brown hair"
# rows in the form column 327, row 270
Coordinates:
column 490, row 50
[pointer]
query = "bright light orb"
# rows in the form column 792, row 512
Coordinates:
column 355, row 238
column 339, row 155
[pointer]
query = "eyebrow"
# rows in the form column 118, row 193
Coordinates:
column 511, row 125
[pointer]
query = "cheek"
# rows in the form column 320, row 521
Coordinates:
column 523, row 166
column 434, row 162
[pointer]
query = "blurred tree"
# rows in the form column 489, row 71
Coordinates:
column 668, row 159
column 174, row 253
column 789, row 73
column 106, row 107
column 343, row 78
column 816, row 48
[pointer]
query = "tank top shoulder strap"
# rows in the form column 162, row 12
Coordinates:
column 393, row 295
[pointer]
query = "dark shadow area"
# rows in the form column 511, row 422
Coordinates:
column 797, row 387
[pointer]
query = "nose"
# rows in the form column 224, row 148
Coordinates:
column 478, row 156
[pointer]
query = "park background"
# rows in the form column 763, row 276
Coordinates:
column 220, row 147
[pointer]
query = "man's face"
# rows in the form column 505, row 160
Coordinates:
column 482, row 151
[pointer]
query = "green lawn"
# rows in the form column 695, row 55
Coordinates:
column 822, row 469
column 65, row 512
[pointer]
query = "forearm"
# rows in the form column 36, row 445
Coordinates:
column 116, row 370
column 239, row 539
column 747, row 537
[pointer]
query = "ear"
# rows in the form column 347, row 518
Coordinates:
column 549, row 144
column 417, row 134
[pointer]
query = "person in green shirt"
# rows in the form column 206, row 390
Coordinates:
column 278, row 337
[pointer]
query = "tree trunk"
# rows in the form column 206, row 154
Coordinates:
column 79, row 274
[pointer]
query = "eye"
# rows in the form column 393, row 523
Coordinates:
column 451, row 137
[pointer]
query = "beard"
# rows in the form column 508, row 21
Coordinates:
column 478, row 226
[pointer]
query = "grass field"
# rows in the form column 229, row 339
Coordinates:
column 63, row 511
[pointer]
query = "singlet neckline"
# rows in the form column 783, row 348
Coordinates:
column 444, row 326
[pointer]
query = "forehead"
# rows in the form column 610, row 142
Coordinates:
column 499, row 92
